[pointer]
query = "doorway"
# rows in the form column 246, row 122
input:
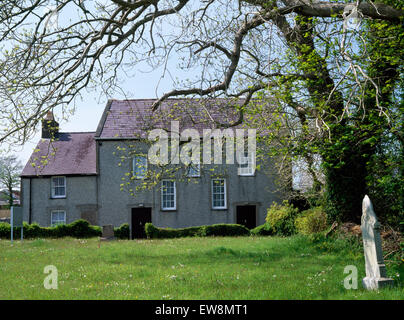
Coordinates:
column 247, row 216
column 140, row 216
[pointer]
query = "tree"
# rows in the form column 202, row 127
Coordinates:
column 332, row 81
column 10, row 170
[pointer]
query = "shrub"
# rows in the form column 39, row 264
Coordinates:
column 224, row 230
column 82, row 229
column 61, row 230
column 78, row 229
column 96, row 231
column 4, row 230
column 263, row 230
column 153, row 232
column 31, row 230
column 282, row 218
column 123, row 232
column 311, row 221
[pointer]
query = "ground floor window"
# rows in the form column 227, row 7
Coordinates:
column 58, row 217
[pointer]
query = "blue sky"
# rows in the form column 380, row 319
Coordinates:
column 88, row 111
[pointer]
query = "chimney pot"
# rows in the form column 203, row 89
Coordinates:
column 50, row 128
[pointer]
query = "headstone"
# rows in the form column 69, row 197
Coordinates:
column 376, row 276
column 108, row 232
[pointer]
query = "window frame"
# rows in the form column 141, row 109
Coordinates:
column 250, row 165
column 163, row 208
column 224, row 194
column 140, row 177
column 53, row 195
column 191, row 165
column 58, row 211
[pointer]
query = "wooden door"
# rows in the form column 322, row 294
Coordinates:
column 246, row 216
column 140, row 216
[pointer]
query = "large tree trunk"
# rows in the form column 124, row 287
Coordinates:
column 346, row 184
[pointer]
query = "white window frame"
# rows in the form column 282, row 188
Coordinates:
column 190, row 167
column 224, row 194
column 249, row 160
column 134, row 165
column 174, row 194
column 53, row 187
column 58, row 221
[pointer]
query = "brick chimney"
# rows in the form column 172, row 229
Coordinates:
column 50, row 128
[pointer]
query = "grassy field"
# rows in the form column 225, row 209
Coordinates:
column 192, row 268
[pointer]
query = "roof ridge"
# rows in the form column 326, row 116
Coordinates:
column 155, row 99
column 81, row 132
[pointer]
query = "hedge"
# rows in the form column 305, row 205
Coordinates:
column 153, row 232
column 77, row 229
column 123, row 232
column 224, row 230
column 263, row 230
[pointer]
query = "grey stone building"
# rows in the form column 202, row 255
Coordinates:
column 80, row 175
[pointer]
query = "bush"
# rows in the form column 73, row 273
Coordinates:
column 263, row 230
column 4, row 230
column 282, row 218
column 153, row 232
column 224, row 230
column 77, row 229
column 82, row 229
column 59, row 231
column 311, row 221
column 31, row 230
column 123, row 232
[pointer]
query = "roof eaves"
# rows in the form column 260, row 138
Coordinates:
column 59, row 174
column 117, row 138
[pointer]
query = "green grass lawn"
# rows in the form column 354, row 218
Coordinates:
column 189, row 268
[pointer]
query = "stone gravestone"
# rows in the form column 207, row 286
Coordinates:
column 376, row 276
column 107, row 232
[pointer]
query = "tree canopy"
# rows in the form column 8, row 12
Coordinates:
column 10, row 169
column 333, row 68
column 52, row 50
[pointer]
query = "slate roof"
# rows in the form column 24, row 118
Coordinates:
column 134, row 118
column 73, row 153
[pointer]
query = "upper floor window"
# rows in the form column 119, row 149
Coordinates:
column 58, row 217
column 139, row 166
column 247, row 165
column 194, row 170
column 168, row 195
column 58, row 187
column 219, row 194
